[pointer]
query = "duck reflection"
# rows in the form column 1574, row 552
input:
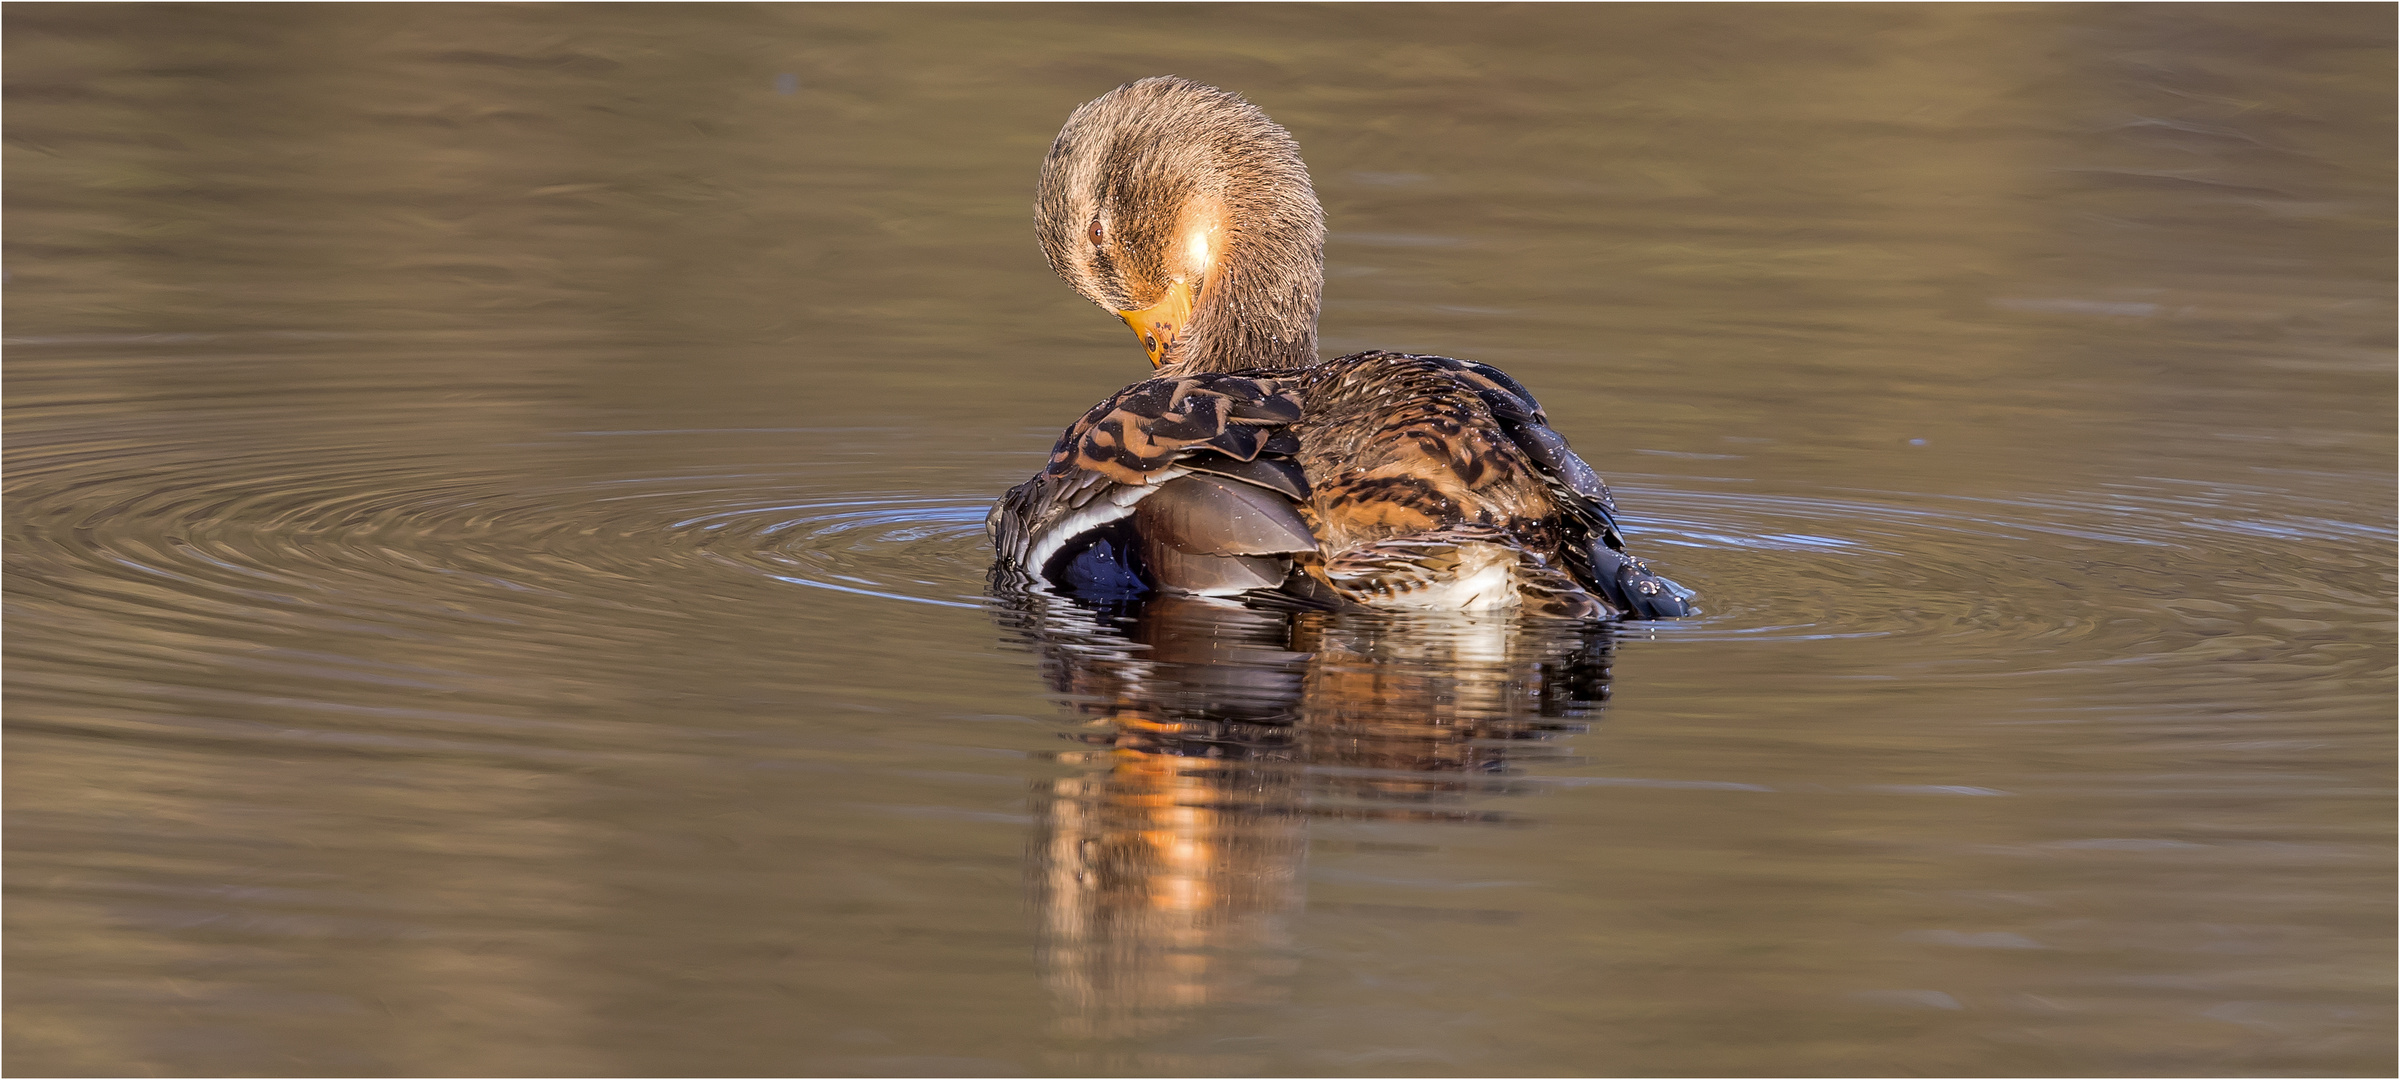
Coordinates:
column 1168, row 868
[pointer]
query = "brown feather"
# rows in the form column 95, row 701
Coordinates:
column 1203, row 515
column 1216, row 574
column 1395, row 444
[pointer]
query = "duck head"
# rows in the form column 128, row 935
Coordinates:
column 1188, row 213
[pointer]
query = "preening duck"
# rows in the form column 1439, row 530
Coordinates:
column 1248, row 467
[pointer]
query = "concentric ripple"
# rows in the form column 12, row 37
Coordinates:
column 892, row 545
column 406, row 545
column 336, row 542
column 2013, row 580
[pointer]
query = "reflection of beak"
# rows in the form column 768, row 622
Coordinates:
column 1160, row 322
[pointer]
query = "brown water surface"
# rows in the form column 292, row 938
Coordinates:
column 495, row 574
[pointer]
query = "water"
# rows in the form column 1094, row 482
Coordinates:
column 495, row 577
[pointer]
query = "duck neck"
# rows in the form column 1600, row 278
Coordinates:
column 1258, row 307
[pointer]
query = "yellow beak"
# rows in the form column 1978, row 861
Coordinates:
column 1160, row 322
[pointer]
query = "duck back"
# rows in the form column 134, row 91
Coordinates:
column 1397, row 445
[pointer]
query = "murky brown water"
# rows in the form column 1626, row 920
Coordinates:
column 495, row 577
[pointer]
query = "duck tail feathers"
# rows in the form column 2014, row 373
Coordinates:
column 1629, row 584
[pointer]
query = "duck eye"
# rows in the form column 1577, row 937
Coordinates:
column 1096, row 234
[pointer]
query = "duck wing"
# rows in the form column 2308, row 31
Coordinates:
column 1592, row 546
column 1184, row 483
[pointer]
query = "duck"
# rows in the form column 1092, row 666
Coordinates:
column 1247, row 467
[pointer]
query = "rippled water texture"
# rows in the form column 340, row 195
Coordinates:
column 496, row 582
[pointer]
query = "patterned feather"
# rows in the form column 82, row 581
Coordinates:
column 1142, row 437
column 1424, row 481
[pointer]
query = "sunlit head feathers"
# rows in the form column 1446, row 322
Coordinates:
column 1182, row 208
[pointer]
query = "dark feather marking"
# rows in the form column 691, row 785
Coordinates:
column 1279, row 409
column 1148, row 399
column 1199, row 419
column 1239, row 442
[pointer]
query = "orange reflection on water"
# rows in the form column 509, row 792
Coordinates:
column 1169, row 870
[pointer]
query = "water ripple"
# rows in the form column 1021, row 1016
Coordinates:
column 351, row 540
